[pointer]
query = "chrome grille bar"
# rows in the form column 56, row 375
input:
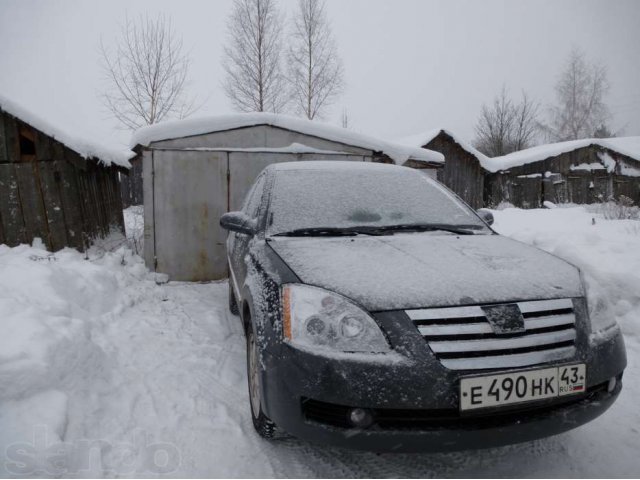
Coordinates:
column 509, row 361
column 503, row 343
column 463, row 339
column 449, row 312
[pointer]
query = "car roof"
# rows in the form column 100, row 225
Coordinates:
column 333, row 165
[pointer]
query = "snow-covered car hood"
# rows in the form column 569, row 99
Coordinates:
column 416, row 270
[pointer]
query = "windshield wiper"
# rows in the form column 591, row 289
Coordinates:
column 430, row 227
column 379, row 230
column 330, row 231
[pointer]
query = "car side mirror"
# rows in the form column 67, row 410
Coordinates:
column 238, row 222
column 486, row 215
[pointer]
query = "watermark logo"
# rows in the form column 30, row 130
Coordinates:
column 90, row 457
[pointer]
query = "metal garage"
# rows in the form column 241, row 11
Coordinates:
column 196, row 170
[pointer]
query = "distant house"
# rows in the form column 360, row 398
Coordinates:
column 54, row 186
column 463, row 170
column 580, row 171
column 194, row 170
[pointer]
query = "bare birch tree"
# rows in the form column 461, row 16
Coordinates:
column 525, row 124
column 505, row 126
column 580, row 109
column 315, row 69
column 146, row 73
column 252, row 59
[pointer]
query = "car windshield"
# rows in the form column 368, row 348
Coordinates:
column 365, row 200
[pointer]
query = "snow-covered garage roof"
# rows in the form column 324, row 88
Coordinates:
column 423, row 138
column 628, row 146
column 83, row 147
column 399, row 153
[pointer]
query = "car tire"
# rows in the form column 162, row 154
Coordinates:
column 233, row 303
column 263, row 425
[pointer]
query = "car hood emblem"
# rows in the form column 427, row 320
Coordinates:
column 505, row 319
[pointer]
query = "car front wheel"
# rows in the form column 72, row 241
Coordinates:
column 265, row 427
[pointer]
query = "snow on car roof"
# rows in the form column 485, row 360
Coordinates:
column 84, row 148
column 337, row 165
column 423, row 138
column 399, row 153
column 628, row 146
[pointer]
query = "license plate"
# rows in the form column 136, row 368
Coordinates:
column 524, row 386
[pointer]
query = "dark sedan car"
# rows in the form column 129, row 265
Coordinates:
column 383, row 313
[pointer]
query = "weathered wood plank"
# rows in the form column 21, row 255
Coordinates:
column 10, row 206
column 2, row 240
column 49, row 182
column 71, row 203
column 76, row 160
column 11, row 139
column 57, row 150
column 117, row 201
column 35, row 219
column 43, row 147
column 88, row 206
column 95, row 179
column 3, row 140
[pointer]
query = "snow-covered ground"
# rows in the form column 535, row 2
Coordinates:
column 105, row 373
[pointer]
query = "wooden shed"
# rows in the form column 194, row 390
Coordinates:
column 195, row 170
column 53, row 186
column 584, row 171
column 463, row 170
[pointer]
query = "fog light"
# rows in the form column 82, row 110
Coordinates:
column 612, row 384
column 361, row 418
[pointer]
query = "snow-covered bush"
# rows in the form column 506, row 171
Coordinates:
column 503, row 205
column 621, row 209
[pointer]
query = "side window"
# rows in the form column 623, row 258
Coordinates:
column 252, row 203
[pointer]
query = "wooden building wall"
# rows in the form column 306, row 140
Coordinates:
column 462, row 172
column 49, row 191
column 131, row 183
column 552, row 179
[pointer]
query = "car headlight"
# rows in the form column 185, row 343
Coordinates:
column 600, row 310
column 314, row 318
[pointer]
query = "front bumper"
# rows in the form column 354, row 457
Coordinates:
column 420, row 431
column 415, row 401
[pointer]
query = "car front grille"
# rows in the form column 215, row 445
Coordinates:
column 463, row 339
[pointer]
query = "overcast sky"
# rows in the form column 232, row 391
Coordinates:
column 410, row 65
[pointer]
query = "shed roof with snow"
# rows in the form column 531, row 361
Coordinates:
column 53, row 185
column 88, row 149
column 579, row 171
column 425, row 138
column 397, row 152
column 626, row 146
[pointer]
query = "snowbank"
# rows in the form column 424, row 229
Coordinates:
column 50, row 308
column 606, row 251
column 629, row 146
column 421, row 139
column 84, row 148
column 198, row 126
